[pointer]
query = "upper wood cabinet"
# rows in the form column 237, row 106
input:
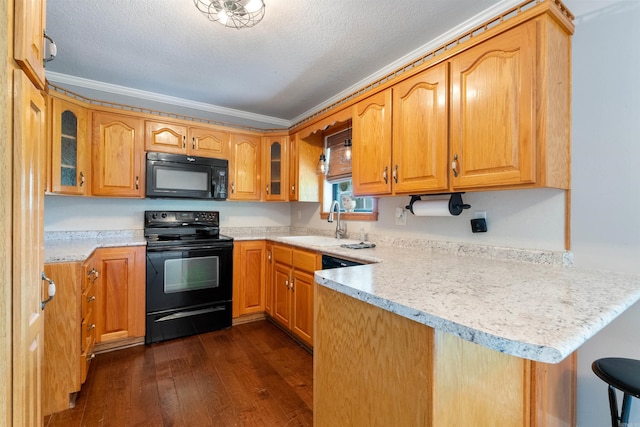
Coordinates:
column 70, row 148
column 420, row 133
column 510, row 110
column 208, row 143
column 165, row 137
column 245, row 165
column 29, row 44
column 304, row 184
column 179, row 139
column 275, row 168
column 371, row 133
column 117, row 152
column 413, row 158
column 493, row 111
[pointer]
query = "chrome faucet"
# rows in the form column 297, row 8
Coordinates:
column 341, row 230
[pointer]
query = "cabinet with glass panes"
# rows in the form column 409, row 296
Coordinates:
column 70, row 157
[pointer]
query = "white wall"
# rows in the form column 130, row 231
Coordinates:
column 531, row 219
column 606, row 176
column 64, row 213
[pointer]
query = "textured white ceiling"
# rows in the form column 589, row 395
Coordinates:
column 299, row 56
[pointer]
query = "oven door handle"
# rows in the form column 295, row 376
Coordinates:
column 183, row 314
column 187, row 248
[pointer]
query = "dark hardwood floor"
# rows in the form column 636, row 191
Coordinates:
column 249, row 375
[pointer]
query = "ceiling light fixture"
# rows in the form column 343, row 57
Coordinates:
column 232, row 13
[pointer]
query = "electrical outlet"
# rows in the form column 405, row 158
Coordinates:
column 401, row 216
column 480, row 214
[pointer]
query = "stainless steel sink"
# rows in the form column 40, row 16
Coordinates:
column 319, row 240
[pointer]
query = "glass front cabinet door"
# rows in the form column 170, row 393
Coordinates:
column 69, row 148
column 276, row 168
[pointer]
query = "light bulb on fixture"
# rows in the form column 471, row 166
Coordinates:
column 347, row 149
column 321, row 169
column 232, row 13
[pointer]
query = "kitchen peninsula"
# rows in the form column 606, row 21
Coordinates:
column 435, row 339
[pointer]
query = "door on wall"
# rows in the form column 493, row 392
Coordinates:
column 28, row 250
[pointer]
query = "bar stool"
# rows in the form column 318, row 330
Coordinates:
column 624, row 375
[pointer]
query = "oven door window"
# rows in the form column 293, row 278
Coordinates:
column 191, row 274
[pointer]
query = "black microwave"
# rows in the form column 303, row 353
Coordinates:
column 180, row 176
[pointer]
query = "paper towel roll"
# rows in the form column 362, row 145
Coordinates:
column 431, row 208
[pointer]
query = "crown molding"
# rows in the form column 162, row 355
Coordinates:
column 453, row 33
column 157, row 97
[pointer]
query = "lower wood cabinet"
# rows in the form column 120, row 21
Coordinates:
column 61, row 371
column 249, row 277
column 292, row 285
column 374, row 367
column 120, row 298
column 100, row 300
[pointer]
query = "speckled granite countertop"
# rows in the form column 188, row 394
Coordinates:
column 78, row 246
column 534, row 311
column 520, row 302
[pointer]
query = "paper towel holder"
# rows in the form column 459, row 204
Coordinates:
column 456, row 206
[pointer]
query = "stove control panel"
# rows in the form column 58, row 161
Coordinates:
column 169, row 218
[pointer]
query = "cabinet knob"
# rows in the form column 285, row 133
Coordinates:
column 233, row 188
column 292, row 284
column 293, row 189
column 454, row 165
column 395, row 174
column 91, row 356
column 91, row 298
column 267, row 188
column 184, row 141
column 137, row 183
column 81, row 179
column 385, row 174
column 193, row 143
column 91, row 326
column 93, row 272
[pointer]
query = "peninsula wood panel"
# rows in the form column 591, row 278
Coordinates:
column 373, row 367
column 61, row 370
column 370, row 368
column 489, row 385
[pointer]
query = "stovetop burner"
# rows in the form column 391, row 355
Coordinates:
column 183, row 227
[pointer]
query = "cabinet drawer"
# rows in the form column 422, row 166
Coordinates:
column 88, row 300
column 85, row 359
column 282, row 254
column 88, row 332
column 91, row 276
column 303, row 260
